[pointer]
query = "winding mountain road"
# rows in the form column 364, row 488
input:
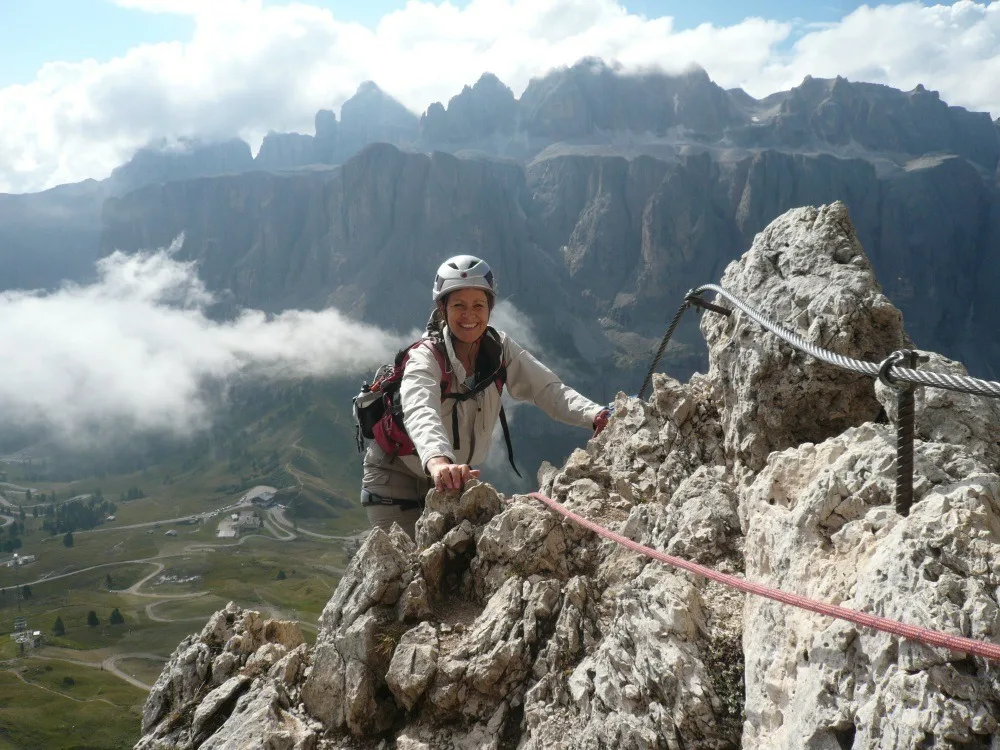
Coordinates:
column 275, row 523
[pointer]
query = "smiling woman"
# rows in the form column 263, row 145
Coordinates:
column 450, row 398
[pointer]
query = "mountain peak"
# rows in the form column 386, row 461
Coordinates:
column 368, row 87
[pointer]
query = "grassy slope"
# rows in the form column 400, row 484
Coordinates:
column 42, row 711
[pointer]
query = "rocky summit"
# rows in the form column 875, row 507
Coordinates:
column 503, row 625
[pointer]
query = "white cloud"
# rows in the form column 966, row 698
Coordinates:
column 505, row 317
column 954, row 49
column 249, row 68
column 136, row 349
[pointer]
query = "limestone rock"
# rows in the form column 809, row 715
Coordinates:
column 373, row 116
column 345, row 685
column 377, row 574
column 413, row 664
column 261, row 721
column 477, row 504
column 525, row 540
column 489, row 663
column 644, row 685
column 476, row 113
column 808, row 271
column 700, row 521
column 819, row 523
column 285, row 151
column 219, row 701
column 186, row 159
column 204, row 678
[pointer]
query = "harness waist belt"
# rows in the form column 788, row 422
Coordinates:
column 370, row 498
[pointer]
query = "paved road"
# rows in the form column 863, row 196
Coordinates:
column 16, row 488
column 205, row 516
column 280, row 532
column 151, row 614
column 46, row 579
column 278, row 514
column 195, row 547
column 111, row 664
column 275, row 522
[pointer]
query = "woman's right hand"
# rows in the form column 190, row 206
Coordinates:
column 449, row 476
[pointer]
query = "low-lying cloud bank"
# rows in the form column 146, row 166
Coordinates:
column 137, row 349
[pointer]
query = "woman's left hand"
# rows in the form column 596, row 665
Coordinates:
column 601, row 421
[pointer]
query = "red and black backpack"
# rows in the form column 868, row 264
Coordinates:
column 378, row 411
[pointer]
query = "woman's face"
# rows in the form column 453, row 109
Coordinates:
column 467, row 313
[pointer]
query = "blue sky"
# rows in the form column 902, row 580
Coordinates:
column 33, row 32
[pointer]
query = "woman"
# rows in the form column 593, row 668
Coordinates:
column 451, row 436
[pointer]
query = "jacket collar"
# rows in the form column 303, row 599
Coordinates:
column 490, row 346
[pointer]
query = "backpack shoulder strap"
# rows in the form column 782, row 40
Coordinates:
column 506, row 439
column 501, row 379
column 442, row 360
column 495, row 344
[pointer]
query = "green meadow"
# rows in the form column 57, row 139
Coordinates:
column 61, row 706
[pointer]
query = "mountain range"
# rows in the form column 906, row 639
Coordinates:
column 599, row 196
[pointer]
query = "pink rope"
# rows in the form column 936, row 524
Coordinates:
column 923, row 635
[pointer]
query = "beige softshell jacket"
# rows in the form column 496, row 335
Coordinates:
column 428, row 421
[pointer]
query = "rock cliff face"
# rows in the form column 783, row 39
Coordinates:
column 372, row 116
column 667, row 179
column 877, row 118
column 485, row 109
column 371, row 230
column 504, row 626
column 49, row 236
column 591, row 97
column 286, row 150
column 55, row 235
column 616, row 240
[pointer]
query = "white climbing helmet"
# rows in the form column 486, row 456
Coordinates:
column 463, row 272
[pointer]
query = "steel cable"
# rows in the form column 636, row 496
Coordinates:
column 960, row 383
column 663, row 345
